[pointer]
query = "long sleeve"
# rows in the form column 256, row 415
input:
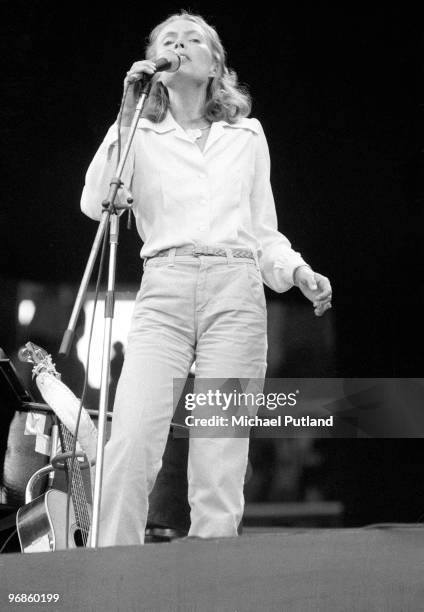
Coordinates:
column 277, row 259
column 102, row 170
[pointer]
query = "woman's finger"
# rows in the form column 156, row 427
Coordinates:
column 320, row 310
column 138, row 69
column 322, row 297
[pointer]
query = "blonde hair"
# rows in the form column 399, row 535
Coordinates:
column 225, row 98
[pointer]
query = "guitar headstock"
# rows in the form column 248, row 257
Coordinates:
column 31, row 353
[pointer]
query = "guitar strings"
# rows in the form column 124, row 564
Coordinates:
column 80, row 508
column 74, row 471
column 80, row 498
column 80, row 502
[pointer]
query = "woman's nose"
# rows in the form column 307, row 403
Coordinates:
column 179, row 44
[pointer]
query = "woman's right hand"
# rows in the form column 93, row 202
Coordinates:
column 138, row 69
column 132, row 82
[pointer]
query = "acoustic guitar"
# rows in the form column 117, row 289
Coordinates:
column 41, row 524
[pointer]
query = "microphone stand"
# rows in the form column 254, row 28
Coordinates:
column 109, row 216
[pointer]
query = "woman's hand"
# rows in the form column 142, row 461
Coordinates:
column 138, row 69
column 134, row 75
column 315, row 287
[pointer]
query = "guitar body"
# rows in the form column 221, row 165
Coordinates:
column 41, row 524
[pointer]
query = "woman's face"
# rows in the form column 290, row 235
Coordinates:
column 190, row 42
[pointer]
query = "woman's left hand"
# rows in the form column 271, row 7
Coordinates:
column 315, row 287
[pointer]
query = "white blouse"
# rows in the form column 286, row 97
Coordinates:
column 220, row 196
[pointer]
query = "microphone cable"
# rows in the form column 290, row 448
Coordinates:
column 6, row 542
column 85, row 384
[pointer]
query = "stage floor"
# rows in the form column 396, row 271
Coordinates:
column 273, row 569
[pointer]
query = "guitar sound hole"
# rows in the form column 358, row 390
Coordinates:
column 80, row 538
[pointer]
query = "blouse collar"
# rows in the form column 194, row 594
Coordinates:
column 169, row 124
column 217, row 128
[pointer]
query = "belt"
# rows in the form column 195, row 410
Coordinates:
column 205, row 250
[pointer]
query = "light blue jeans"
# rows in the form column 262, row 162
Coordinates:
column 206, row 309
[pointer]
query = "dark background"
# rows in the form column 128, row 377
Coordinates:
column 339, row 93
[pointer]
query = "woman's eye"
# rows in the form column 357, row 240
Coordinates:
column 194, row 40
column 167, row 42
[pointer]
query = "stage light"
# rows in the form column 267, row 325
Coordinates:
column 26, row 312
column 124, row 305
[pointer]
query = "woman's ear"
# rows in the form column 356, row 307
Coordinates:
column 214, row 68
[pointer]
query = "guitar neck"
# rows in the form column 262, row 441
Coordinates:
column 79, row 498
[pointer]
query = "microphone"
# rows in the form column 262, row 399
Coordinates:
column 168, row 62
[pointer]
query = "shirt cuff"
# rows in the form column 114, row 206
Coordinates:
column 296, row 268
column 279, row 274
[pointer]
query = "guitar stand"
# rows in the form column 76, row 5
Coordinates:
column 57, row 463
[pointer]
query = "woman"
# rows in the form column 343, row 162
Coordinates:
column 199, row 174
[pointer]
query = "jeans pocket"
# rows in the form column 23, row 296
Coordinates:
column 147, row 273
column 255, row 284
column 142, row 287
